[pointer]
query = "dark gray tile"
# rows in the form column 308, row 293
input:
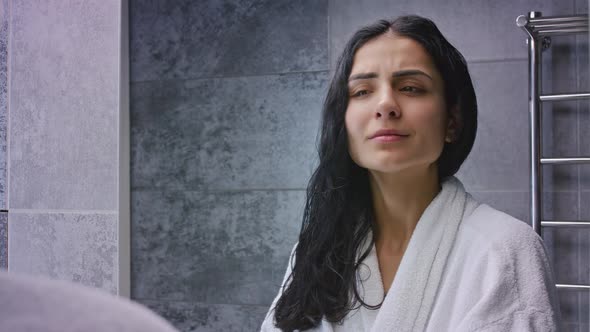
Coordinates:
column 585, row 245
column 72, row 247
column 563, row 248
column 558, row 65
column 570, row 327
column 201, row 317
column 583, row 66
column 560, row 127
column 215, row 247
column 569, row 305
column 480, row 30
column 4, row 19
column 581, row 6
column 499, row 159
column 187, row 39
column 563, row 244
column 231, row 133
column 3, row 240
column 584, row 309
column 64, row 105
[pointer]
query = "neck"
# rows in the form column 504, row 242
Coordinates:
column 398, row 202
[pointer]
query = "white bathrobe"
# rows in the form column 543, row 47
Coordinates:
column 468, row 267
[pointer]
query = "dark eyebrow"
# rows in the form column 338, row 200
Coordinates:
column 401, row 73
column 410, row 72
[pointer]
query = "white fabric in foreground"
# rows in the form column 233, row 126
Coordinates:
column 468, row 267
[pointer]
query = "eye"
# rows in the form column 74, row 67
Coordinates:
column 360, row 93
column 411, row 89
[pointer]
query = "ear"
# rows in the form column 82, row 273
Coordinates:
column 454, row 124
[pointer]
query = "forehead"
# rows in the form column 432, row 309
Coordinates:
column 391, row 52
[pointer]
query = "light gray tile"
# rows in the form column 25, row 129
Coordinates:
column 201, row 317
column 514, row 203
column 479, row 29
column 4, row 19
column 231, row 133
column 188, row 39
column 215, row 247
column 64, row 104
column 555, row 205
column 3, row 240
column 73, row 247
column 499, row 159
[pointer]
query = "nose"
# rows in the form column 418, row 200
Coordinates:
column 387, row 105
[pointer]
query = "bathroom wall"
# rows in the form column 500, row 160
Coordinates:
column 3, row 126
column 225, row 102
column 64, row 137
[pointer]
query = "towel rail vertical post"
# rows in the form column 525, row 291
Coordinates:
column 535, row 123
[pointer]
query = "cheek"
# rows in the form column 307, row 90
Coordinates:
column 433, row 121
column 353, row 124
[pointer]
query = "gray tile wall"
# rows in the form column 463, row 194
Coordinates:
column 67, row 246
column 3, row 240
column 4, row 17
column 221, row 90
column 63, row 88
column 216, row 201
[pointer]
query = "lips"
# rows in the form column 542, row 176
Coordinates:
column 384, row 133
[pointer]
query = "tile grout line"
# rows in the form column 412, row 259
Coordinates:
column 187, row 79
column 159, row 300
column 49, row 211
column 325, row 70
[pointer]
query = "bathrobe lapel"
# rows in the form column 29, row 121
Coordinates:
column 412, row 293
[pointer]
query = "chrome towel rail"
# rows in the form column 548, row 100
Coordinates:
column 539, row 31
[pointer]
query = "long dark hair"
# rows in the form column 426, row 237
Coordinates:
column 338, row 213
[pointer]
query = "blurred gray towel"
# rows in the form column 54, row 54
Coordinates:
column 34, row 304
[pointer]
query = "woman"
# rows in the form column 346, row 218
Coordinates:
column 390, row 239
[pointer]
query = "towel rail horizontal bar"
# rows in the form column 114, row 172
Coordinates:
column 561, row 25
column 553, row 19
column 565, row 161
column 567, row 286
column 556, row 223
column 564, row 31
column 564, row 96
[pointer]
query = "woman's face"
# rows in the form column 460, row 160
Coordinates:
column 394, row 85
